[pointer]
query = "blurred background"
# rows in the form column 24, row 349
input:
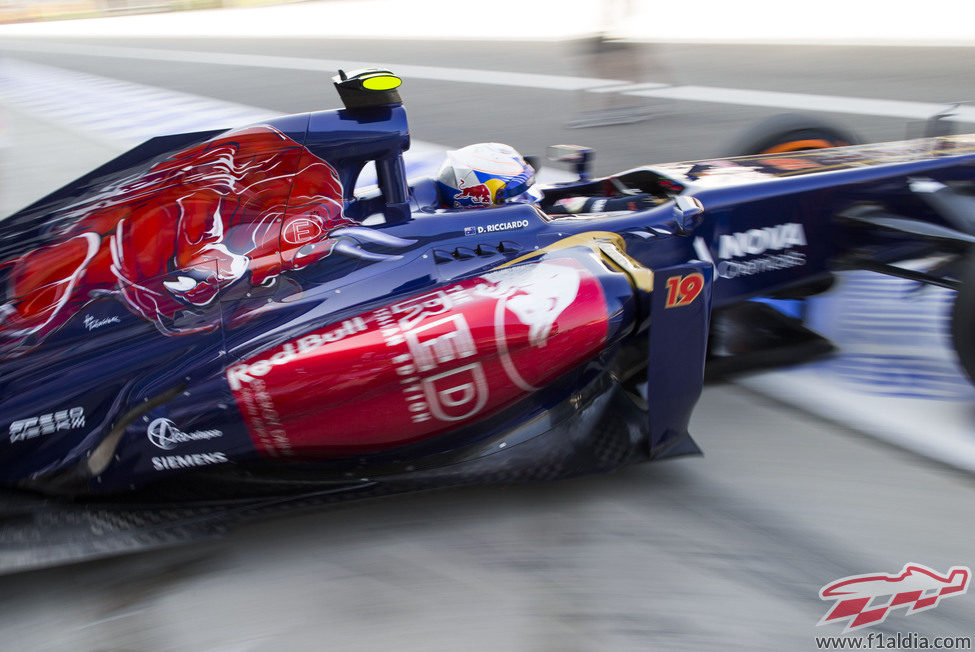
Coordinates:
column 855, row 464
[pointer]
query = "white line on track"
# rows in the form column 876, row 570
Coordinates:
column 773, row 99
column 626, row 88
column 437, row 73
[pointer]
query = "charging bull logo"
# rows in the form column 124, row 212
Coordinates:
column 539, row 301
column 235, row 211
column 865, row 600
column 481, row 194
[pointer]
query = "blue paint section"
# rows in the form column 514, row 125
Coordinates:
column 677, row 349
column 789, row 307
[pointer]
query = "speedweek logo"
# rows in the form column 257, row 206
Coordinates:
column 866, row 600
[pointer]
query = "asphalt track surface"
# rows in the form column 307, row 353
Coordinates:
column 724, row 552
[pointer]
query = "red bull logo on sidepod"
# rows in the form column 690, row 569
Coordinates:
column 423, row 365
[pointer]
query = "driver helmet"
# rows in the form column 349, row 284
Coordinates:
column 486, row 174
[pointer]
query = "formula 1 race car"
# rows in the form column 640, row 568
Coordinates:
column 221, row 314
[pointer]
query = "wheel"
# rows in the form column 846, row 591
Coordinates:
column 963, row 319
column 791, row 132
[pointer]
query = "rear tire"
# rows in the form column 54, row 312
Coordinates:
column 790, row 132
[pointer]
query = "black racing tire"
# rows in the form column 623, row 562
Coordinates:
column 790, row 132
column 963, row 319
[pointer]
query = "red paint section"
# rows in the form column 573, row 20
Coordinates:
column 421, row 366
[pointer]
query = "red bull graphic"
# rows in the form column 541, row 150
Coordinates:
column 866, row 600
column 240, row 208
column 480, row 194
column 424, row 365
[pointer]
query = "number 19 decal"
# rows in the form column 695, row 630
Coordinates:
column 682, row 290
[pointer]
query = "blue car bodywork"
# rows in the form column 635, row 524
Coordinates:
column 102, row 393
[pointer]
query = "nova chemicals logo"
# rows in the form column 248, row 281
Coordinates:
column 756, row 251
column 164, row 434
column 866, row 600
column 757, row 241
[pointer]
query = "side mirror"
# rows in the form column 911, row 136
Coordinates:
column 577, row 155
column 687, row 210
